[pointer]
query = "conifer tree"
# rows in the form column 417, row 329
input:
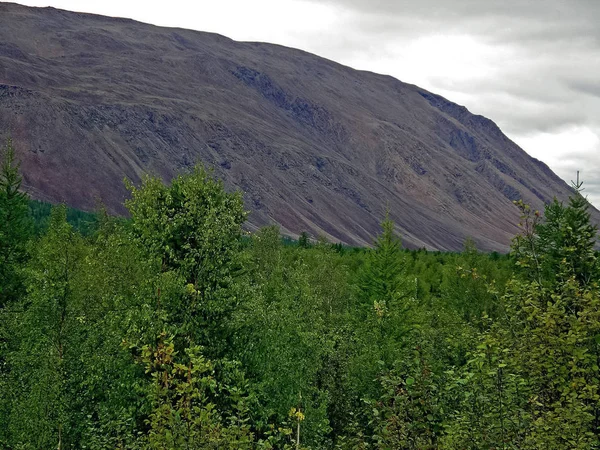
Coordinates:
column 555, row 328
column 15, row 226
column 382, row 308
column 567, row 239
column 15, row 231
column 304, row 240
column 541, row 361
column 381, row 280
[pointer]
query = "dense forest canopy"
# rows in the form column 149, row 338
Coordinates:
column 176, row 329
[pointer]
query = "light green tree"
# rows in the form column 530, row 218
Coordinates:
column 538, row 365
column 193, row 227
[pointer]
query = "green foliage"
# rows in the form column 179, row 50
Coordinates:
column 472, row 285
column 381, row 316
column 193, row 228
column 539, row 366
column 285, row 326
column 15, row 232
column 47, row 335
column 15, row 226
column 303, row 240
column 177, row 330
column 381, row 281
column 182, row 414
column 193, row 225
column 530, row 378
column 486, row 399
column 554, row 317
column 566, row 241
column 84, row 222
column 409, row 413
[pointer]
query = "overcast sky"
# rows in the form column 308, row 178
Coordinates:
column 531, row 66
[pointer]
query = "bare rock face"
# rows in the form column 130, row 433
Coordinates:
column 314, row 145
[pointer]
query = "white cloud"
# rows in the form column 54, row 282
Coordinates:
column 572, row 149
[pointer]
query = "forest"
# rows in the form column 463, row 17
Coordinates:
column 176, row 329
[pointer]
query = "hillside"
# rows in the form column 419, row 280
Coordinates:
column 315, row 146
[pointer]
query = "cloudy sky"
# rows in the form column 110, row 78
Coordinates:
column 531, row 66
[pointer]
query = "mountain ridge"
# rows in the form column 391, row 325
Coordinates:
column 315, row 146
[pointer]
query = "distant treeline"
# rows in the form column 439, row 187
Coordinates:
column 176, row 329
column 82, row 221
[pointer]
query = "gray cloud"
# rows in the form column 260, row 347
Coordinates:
column 586, row 87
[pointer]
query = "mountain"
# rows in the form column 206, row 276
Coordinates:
column 315, row 146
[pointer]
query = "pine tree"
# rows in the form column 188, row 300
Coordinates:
column 15, row 226
column 381, row 279
column 383, row 303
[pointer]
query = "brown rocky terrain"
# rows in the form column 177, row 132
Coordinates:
column 315, row 146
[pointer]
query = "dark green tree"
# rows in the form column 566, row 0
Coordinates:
column 45, row 332
column 304, row 240
column 382, row 320
column 15, row 226
column 381, row 280
column 15, row 232
column 559, row 245
column 566, row 239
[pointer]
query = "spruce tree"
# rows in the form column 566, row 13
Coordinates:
column 381, row 279
column 15, row 231
column 566, row 241
column 304, row 240
column 15, row 226
column 383, row 303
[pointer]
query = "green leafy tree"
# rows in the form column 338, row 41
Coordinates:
column 193, row 227
column 539, row 365
column 554, row 317
column 410, row 412
column 116, row 285
column 183, row 414
column 285, row 337
column 486, row 400
column 45, row 332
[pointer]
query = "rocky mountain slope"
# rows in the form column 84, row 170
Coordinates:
column 315, row 146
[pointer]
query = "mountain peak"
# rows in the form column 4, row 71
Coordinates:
column 314, row 145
